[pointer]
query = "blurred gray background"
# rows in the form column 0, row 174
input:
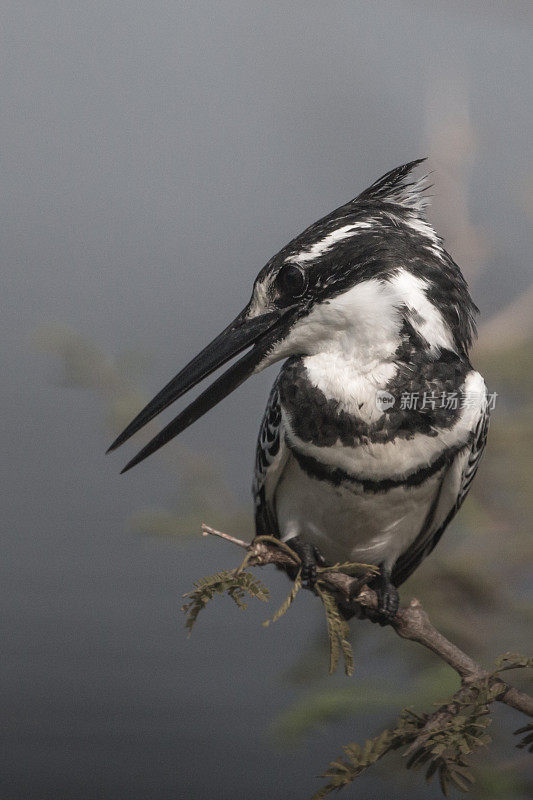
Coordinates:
column 154, row 156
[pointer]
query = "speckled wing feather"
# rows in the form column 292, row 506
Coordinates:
column 271, row 455
column 428, row 538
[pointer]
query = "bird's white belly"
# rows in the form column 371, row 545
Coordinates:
column 349, row 524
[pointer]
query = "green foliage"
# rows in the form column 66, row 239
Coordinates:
column 443, row 752
column 232, row 584
column 235, row 583
column 338, row 632
column 297, row 585
column 357, row 759
column 439, row 743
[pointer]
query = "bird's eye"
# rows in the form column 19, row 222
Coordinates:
column 291, row 280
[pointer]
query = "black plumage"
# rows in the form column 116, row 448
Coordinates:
column 365, row 301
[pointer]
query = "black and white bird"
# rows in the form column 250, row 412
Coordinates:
column 366, row 308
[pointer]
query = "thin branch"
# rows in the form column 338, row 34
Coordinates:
column 411, row 622
column 207, row 530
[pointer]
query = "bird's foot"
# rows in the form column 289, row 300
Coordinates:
column 388, row 599
column 310, row 557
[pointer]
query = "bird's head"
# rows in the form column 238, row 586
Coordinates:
column 350, row 284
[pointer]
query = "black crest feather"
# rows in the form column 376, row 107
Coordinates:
column 393, row 188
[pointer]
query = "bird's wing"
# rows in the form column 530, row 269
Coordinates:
column 455, row 483
column 270, row 459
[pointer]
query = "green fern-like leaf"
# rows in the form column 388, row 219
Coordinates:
column 345, row 770
column 338, row 632
column 445, row 748
column 231, row 582
column 441, row 750
column 357, row 759
column 297, row 585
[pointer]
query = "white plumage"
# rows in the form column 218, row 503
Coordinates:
column 365, row 303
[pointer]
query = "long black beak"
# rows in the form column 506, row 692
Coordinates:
column 242, row 333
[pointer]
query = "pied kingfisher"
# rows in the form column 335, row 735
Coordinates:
column 364, row 453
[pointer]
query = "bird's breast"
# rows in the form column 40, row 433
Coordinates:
column 357, row 434
column 347, row 523
column 359, row 483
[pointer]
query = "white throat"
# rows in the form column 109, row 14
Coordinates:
column 362, row 325
column 360, row 328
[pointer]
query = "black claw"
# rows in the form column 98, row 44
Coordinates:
column 388, row 599
column 310, row 557
column 309, row 574
column 389, row 602
column 351, row 609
